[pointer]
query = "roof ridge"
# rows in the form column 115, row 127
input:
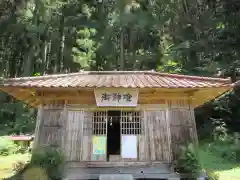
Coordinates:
column 72, row 74
column 118, row 72
column 193, row 77
column 43, row 76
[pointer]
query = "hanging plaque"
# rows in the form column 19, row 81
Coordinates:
column 116, row 97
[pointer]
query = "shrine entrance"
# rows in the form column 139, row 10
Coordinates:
column 113, row 133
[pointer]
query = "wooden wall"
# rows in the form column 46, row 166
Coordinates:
column 50, row 127
column 157, row 136
column 164, row 130
column 182, row 125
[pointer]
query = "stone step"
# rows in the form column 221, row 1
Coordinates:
column 116, row 177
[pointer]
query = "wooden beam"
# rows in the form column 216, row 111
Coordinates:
column 38, row 126
column 65, row 98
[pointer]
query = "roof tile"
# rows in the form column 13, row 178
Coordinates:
column 130, row 79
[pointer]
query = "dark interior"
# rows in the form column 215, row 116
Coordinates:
column 113, row 133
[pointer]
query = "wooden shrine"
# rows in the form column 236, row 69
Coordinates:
column 128, row 122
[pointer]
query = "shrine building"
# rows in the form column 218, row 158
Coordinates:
column 116, row 122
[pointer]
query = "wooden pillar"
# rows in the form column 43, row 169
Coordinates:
column 146, row 138
column 195, row 136
column 38, row 126
column 168, row 121
column 64, row 132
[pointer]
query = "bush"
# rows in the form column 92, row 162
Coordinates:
column 19, row 166
column 35, row 173
column 188, row 162
column 51, row 160
column 212, row 176
column 7, row 147
column 22, row 150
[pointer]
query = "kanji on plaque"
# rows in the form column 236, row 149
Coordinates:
column 116, row 97
column 106, row 97
column 127, row 97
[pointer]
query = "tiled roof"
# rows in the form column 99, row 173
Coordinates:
column 21, row 138
column 125, row 79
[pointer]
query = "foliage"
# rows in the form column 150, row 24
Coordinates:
column 16, row 118
column 227, row 147
column 212, row 176
column 187, row 161
column 49, row 159
column 7, row 146
column 46, row 163
column 212, row 161
column 19, row 166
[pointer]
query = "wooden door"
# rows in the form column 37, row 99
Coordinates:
column 73, row 135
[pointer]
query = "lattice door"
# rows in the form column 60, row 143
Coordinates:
column 131, row 125
column 99, row 136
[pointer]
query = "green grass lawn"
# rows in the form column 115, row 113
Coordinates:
column 6, row 163
column 212, row 162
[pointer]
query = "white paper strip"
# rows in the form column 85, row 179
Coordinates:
column 129, row 147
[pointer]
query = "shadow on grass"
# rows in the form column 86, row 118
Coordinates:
column 19, row 175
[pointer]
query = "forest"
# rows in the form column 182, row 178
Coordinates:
column 194, row 37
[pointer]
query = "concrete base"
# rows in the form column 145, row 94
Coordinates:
column 116, row 177
column 129, row 173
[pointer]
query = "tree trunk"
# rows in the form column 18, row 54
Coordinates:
column 48, row 58
column 121, row 51
column 60, row 58
column 44, row 56
column 28, row 64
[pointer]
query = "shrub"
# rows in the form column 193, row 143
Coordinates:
column 35, row 173
column 22, row 150
column 212, row 176
column 50, row 159
column 18, row 166
column 7, row 146
column 188, row 162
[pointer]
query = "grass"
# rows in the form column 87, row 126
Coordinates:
column 213, row 162
column 6, row 163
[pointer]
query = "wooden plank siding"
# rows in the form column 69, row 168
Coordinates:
column 74, row 133
column 163, row 131
column 157, row 140
column 87, row 136
column 182, row 125
column 50, row 128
